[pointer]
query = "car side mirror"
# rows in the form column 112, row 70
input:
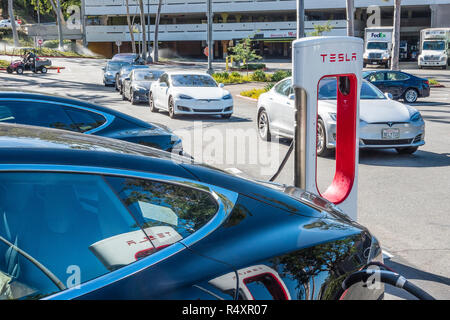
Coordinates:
column 163, row 84
column 127, row 78
column 103, row 68
column 221, row 85
column 388, row 95
column 291, row 96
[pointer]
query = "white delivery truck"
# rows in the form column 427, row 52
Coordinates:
column 434, row 48
column 377, row 46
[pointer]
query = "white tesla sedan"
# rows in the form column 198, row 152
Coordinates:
column 181, row 92
column 384, row 123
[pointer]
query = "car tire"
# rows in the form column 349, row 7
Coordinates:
column 132, row 100
column 171, row 109
column 322, row 149
column 115, row 85
column 44, row 70
column 151, row 103
column 124, row 97
column 264, row 126
column 410, row 95
column 9, row 70
column 19, row 70
column 408, row 150
column 364, row 65
column 226, row 116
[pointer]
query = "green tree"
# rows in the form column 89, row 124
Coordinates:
column 243, row 52
column 320, row 29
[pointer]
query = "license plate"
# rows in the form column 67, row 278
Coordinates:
column 374, row 62
column 390, row 133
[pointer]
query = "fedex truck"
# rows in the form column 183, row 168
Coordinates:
column 434, row 47
column 377, row 46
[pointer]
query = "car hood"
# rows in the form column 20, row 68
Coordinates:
column 377, row 110
column 144, row 84
column 202, row 92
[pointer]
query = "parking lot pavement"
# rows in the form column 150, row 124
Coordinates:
column 403, row 199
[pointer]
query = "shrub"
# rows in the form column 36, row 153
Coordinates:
column 258, row 75
column 253, row 66
column 253, row 93
column 280, row 75
column 269, row 86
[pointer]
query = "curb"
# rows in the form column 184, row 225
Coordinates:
column 65, row 57
column 437, row 86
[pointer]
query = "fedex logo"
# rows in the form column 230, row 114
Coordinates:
column 380, row 35
column 338, row 57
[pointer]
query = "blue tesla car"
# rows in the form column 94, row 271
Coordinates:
column 76, row 115
column 85, row 217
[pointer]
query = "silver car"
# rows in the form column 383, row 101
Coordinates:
column 384, row 123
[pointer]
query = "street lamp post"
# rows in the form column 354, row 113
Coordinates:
column 300, row 19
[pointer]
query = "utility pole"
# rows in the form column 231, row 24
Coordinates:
column 148, row 27
column 209, row 35
column 300, row 19
column 396, row 35
column 350, row 18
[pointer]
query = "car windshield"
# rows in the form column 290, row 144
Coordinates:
column 114, row 66
column 328, row 87
column 144, row 75
column 126, row 69
column 377, row 45
column 434, row 45
column 193, row 80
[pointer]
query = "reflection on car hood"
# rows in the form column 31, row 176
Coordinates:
column 376, row 110
column 202, row 92
column 144, row 84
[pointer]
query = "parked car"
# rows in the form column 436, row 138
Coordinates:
column 75, row 115
column 137, row 85
column 124, row 73
column 132, row 58
column 86, row 217
column 384, row 123
column 400, row 84
column 110, row 71
column 182, row 93
column 7, row 24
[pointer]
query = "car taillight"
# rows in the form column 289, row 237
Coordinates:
column 427, row 82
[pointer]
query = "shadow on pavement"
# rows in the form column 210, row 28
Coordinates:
column 390, row 158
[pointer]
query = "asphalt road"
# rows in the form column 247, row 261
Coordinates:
column 403, row 199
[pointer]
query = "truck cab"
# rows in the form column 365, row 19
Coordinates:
column 434, row 45
column 378, row 46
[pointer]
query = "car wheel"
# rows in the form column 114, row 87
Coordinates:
column 124, row 97
column 116, row 86
column 151, row 103
column 171, row 108
column 9, row 70
column 322, row 149
column 364, row 65
column 409, row 150
column 132, row 100
column 44, row 70
column 19, row 70
column 410, row 95
column 226, row 116
column 264, row 126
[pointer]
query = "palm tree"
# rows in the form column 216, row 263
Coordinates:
column 13, row 23
column 130, row 28
column 60, row 20
column 143, row 29
column 396, row 35
column 155, row 43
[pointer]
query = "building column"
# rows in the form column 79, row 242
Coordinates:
column 225, row 48
column 216, row 49
column 224, row 17
column 238, row 18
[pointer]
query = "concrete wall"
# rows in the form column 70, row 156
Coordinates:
column 440, row 15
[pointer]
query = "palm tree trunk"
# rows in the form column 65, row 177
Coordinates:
column 130, row 28
column 396, row 35
column 13, row 23
column 143, row 29
column 350, row 18
column 155, row 44
column 60, row 21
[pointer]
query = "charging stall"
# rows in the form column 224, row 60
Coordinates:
column 314, row 59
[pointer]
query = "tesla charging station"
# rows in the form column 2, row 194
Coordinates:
column 314, row 59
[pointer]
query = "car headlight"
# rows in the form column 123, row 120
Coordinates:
column 332, row 116
column 365, row 55
column 443, row 58
column 183, row 96
column 385, row 55
column 227, row 97
column 139, row 88
column 416, row 116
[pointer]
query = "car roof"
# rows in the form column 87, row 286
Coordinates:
column 203, row 73
column 15, row 94
column 22, row 144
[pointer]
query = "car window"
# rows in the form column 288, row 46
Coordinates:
column 283, row 87
column 180, row 210
column 146, row 75
column 376, row 76
column 85, row 120
column 328, row 90
column 393, row 76
column 72, row 226
column 164, row 78
column 193, row 80
column 36, row 114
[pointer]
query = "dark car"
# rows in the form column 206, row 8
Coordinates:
column 132, row 58
column 400, row 84
column 86, row 217
column 137, row 85
column 110, row 71
column 124, row 72
column 75, row 115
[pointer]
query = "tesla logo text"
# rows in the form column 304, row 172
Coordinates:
column 145, row 239
column 338, row 57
